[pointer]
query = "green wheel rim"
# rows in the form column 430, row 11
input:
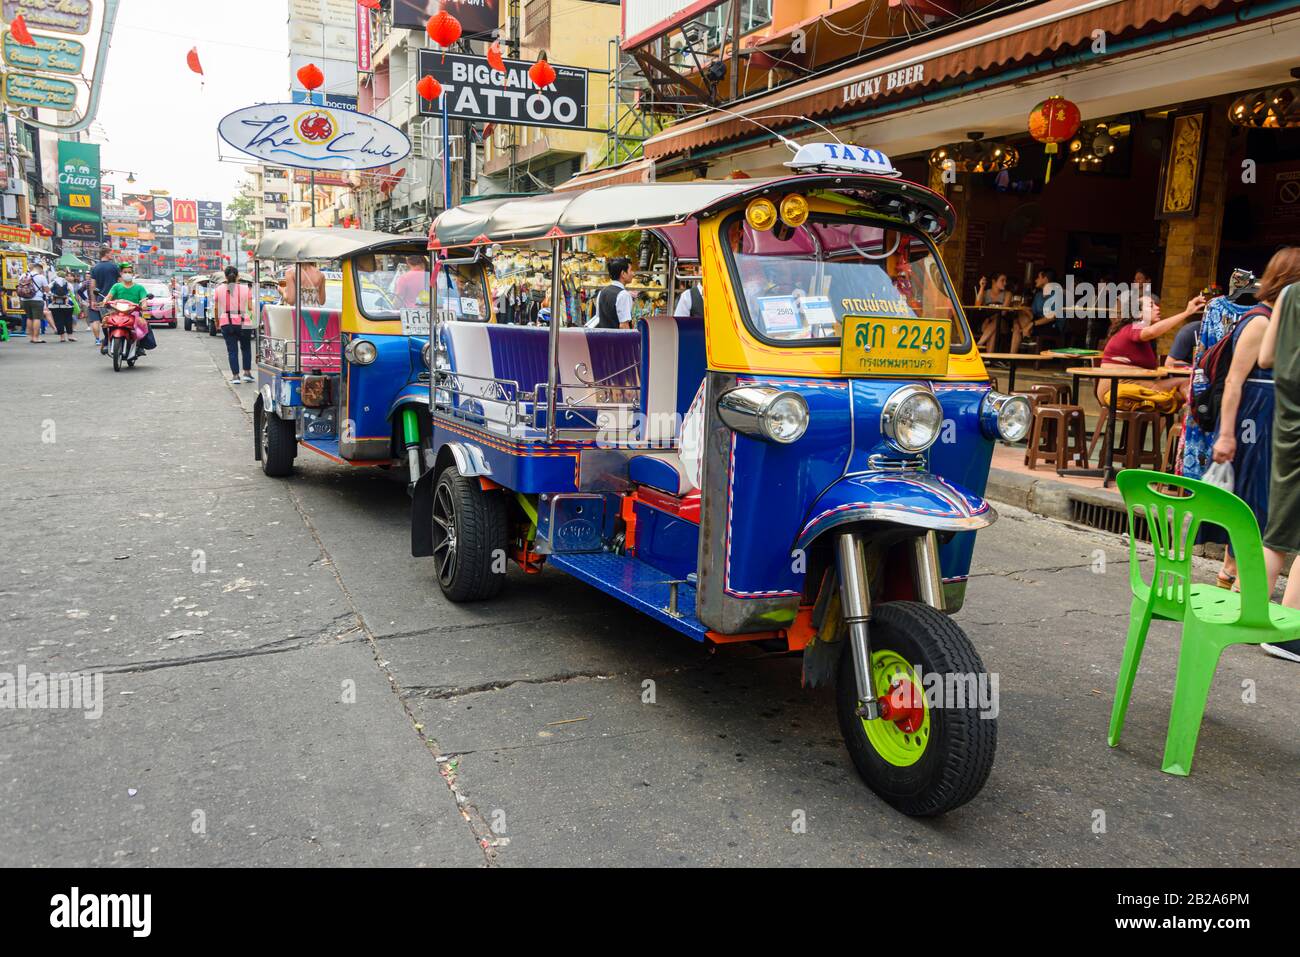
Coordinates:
column 900, row 748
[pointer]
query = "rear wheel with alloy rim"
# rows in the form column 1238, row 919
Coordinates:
column 469, row 537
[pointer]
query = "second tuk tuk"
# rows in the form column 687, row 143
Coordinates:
column 340, row 372
column 804, row 465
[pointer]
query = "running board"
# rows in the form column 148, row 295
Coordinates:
column 644, row 587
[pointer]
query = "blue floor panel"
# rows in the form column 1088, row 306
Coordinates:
column 642, row 586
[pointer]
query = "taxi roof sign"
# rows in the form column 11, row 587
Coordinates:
column 842, row 156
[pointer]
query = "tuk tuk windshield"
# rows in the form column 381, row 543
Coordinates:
column 390, row 282
column 798, row 285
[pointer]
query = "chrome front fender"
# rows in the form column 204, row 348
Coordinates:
column 914, row 499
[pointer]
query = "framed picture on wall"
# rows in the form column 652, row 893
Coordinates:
column 1183, row 169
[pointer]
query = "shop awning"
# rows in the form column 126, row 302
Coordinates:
column 633, row 171
column 1033, row 32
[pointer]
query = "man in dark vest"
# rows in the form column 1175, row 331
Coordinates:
column 614, row 302
column 690, row 303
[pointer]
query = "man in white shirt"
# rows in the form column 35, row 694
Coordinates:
column 614, row 303
column 691, row 302
column 32, row 289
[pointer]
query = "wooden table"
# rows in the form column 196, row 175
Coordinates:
column 994, row 309
column 1011, row 358
column 1107, row 471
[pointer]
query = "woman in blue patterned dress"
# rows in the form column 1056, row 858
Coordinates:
column 1221, row 316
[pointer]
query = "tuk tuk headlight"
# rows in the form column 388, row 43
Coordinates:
column 761, row 214
column 765, row 413
column 361, row 352
column 794, row 210
column 1006, row 417
column 424, row 354
column 911, row 419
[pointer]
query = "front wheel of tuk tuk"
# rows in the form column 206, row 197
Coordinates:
column 469, row 537
column 279, row 444
column 937, row 751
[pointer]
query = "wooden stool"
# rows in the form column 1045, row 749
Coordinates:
column 1043, row 395
column 1057, row 436
column 1131, row 450
column 1168, row 464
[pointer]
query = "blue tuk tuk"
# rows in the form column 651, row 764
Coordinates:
column 803, row 464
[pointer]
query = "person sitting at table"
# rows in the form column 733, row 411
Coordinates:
column 1040, row 312
column 996, row 294
column 1131, row 342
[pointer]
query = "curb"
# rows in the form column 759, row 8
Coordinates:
column 1046, row 496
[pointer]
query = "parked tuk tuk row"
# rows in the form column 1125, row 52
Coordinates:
column 803, row 466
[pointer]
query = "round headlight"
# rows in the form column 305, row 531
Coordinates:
column 1015, row 416
column 785, row 419
column 424, row 354
column 362, row 352
column 794, row 210
column 912, row 418
column 761, row 214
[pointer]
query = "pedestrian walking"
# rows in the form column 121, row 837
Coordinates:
column 103, row 277
column 1279, row 350
column 32, row 286
column 60, row 306
column 234, row 308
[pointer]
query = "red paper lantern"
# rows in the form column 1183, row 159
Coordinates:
column 310, row 76
column 495, row 60
column 542, row 73
column 1053, row 121
column 369, row 4
column 429, row 88
column 192, row 61
column 18, row 30
column 444, row 30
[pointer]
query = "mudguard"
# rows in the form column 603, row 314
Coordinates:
column 412, row 393
column 915, row 499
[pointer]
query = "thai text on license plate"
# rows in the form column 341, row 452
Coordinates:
column 891, row 346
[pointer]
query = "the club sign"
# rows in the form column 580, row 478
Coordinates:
column 475, row 91
column 307, row 136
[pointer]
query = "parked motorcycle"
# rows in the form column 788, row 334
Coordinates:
column 125, row 327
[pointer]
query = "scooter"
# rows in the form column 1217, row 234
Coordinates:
column 120, row 328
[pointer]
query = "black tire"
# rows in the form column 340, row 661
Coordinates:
column 469, row 536
column 959, row 753
column 279, row 445
column 189, row 323
column 116, row 350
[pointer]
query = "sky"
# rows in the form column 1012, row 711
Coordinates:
column 158, row 119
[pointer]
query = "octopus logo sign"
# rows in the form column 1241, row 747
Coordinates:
column 321, row 138
column 314, row 127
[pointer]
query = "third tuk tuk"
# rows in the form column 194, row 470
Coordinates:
column 340, row 373
column 804, row 465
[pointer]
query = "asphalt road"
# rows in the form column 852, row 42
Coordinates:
column 283, row 684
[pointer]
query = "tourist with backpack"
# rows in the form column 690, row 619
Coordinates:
column 32, row 286
column 61, row 306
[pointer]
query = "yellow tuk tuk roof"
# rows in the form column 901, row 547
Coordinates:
column 500, row 219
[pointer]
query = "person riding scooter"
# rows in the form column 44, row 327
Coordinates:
column 126, row 290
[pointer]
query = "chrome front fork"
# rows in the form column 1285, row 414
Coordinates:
column 855, row 602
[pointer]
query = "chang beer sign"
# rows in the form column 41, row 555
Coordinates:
column 80, row 200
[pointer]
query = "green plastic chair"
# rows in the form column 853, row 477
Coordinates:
column 1213, row 618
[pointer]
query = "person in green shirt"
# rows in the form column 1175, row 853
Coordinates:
column 126, row 290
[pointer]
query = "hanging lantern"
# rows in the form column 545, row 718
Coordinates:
column 192, row 61
column 977, row 155
column 429, row 88
column 495, row 60
column 310, row 76
column 369, row 4
column 18, row 30
column 542, row 73
column 1053, row 121
column 1275, row 109
column 444, row 30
